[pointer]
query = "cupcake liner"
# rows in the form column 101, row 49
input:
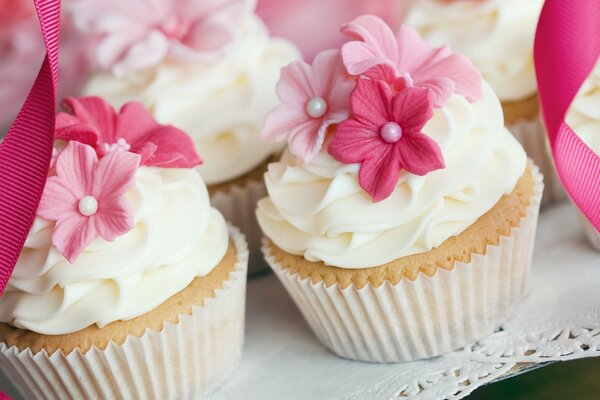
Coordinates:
column 426, row 317
column 592, row 235
column 532, row 136
column 189, row 359
column 238, row 205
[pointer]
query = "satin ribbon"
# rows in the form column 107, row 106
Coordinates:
column 567, row 46
column 26, row 151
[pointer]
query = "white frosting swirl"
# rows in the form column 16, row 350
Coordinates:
column 222, row 105
column 497, row 35
column 584, row 114
column 177, row 236
column 318, row 210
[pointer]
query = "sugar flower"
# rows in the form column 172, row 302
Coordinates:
column 86, row 197
column 137, row 34
column 406, row 60
column 385, row 136
column 313, row 98
column 94, row 122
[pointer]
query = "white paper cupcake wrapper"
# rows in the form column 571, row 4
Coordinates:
column 532, row 136
column 592, row 235
column 238, row 205
column 189, row 359
column 425, row 317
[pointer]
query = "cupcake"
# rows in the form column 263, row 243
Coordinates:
column 130, row 285
column 402, row 221
column 209, row 68
column 498, row 36
column 584, row 118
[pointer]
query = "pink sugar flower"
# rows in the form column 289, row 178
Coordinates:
column 313, row 98
column 137, row 34
column 85, row 197
column 406, row 60
column 385, row 136
column 95, row 122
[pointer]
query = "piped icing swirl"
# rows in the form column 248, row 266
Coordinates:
column 318, row 209
column 176, row 237
column 497, row 35
column 584, row 114
column 221, row 104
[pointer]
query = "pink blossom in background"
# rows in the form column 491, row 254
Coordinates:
column 22, row 53
column 385, row 136
column 94, row 122
column 407, row 60
column 314, row 25
column 86, row 197
column 137, row 34
column 313, row 97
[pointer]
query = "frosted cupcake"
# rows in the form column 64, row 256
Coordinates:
column 209, row 68
column 498, row 36
column 584, row 118
column 130, row 285
column 402, row 221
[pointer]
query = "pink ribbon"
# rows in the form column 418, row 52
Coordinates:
column 567, row 46
column 26, row 151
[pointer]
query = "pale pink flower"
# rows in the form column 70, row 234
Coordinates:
column 94, row 122
column 385, row 136
column 136, row 34
column 313, row 98
column 86, row 197
column 406, row 60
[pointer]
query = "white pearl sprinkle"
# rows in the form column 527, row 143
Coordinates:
column 88, row 206
column 391, row 132
column 316, row 107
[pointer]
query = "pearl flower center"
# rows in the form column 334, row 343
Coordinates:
column 120, row 145
column 88, row 206
column 391, row 132
column 316, row 107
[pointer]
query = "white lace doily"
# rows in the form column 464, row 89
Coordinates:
column 559, row 320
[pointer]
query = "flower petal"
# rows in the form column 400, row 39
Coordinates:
column 379, row 174
column 361, row 58
column 115, row 174
column 69, row 127
column 455, row 67
column 171, row 147
column 58, row 199
column 294, row 86
column 325, row 69
column 354, row 142
column 376, row 33
column 370, row 103
column 420, row 154
column 281, row 120
column 412, row 108
column 114, row 218
column 72, row 235
column 75, row 167
column 96, row 113
column 440, row 88
column 306, row 139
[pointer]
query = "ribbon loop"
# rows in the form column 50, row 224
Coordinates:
column 26, row 151
column 567, row 46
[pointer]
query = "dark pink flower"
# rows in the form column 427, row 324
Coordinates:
column 406, row 60
column 313, row 97
column 93, row 121
column 86, row 197
column 385, row 136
